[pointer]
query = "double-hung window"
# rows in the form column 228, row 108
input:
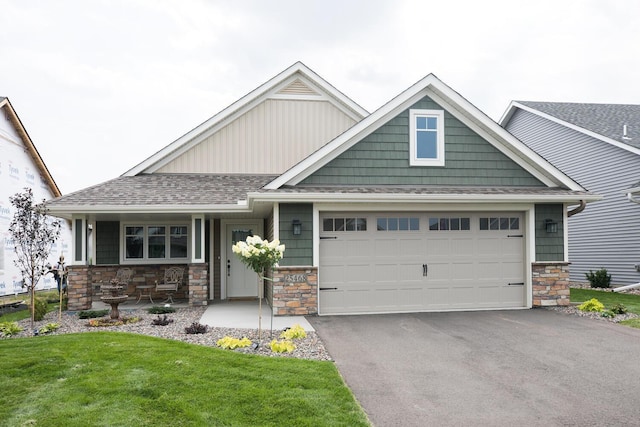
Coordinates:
column 155, row 242
column 426, row 137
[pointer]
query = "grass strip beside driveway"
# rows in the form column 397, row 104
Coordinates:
column 110, row 378
column 632, row 302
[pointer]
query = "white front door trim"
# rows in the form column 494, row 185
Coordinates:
column 225, row 246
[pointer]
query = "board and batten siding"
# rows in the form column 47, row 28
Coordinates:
column 298, row 249
column 268, row 139
column 607, row 233
column 382, row 158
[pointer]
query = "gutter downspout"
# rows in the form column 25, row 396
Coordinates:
column 580, row 208
column 632, row 199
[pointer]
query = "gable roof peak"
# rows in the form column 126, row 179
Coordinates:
column 456, row 105
column 312, row 83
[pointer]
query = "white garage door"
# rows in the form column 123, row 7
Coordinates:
column 403, row 262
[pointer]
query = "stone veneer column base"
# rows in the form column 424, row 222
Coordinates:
column 295, row 291
column 550, row 282
column 198, row 284
column 79, row 292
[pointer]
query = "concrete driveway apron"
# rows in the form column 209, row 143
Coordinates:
column 491, row 368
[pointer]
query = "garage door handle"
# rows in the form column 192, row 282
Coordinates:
column 425, row 269
column 328, row 237
column 517, row 284
column 328, row 289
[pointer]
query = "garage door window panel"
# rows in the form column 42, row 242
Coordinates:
column 398, row 224
column 344, row 224
column 449, row 224
column 499, row 223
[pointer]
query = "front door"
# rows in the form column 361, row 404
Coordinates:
column 241, row 281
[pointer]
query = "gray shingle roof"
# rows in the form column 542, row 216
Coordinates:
column 604, row 119
column 166, row 189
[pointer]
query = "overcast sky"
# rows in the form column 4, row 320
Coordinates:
column 102, row 85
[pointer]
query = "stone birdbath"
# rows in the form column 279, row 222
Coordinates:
column 115, row 299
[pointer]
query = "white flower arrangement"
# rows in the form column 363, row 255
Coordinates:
column 258, row 254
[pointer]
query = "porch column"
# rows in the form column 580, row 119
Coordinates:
column 79, row 290
column 197, row 242
column 198, row 284
column 79, row 241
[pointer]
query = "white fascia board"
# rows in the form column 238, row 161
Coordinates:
column 419, row 198
column 514, row 105
column 504, row 141
column 246, row 103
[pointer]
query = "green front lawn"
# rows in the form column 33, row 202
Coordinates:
column 632, row 302
column 110, row 378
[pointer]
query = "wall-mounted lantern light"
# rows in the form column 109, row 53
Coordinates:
column 551, row 226
column 296, row 226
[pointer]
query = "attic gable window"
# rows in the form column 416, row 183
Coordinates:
column 426, row 137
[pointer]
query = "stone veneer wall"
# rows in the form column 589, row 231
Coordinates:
column 295, row 291
column 550, row 282
column 85, row 280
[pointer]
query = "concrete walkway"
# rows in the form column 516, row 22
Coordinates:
column 225, row 314
column 244, row 314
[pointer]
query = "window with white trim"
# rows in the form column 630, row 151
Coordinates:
column 426, row 137
column 155, row 242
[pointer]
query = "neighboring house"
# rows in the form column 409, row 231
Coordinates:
column 426, row 204
column 598, row 145
column 21, row 166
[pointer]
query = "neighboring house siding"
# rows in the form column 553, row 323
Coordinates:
column 19, row 170
column 382, row 158
column 549, row 246
column 270, row 138
column 298, row 249
column 607, row 233
column 107, row 242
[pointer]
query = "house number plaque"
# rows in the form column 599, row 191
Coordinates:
column 295, row 278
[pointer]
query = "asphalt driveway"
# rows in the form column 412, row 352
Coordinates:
column 493, row 368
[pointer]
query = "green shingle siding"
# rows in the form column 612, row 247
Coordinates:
column 107, row 242
column 549, row 247
column 298, row 249
column 382, row 158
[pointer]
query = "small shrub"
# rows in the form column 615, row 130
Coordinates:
column 196, row 328
column 40, row 309
column 161, row 321
column 230, row 343
column 156, row 309
column 49, row 327
column 92, row 314
column 8, row 329
column 282, row 346
column 50, row 296
column 591, row 305
column 599, row 279
column 294, row 332
column 608, row 314
column 618, row 308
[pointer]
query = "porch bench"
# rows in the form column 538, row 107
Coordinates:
column 171, row 282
